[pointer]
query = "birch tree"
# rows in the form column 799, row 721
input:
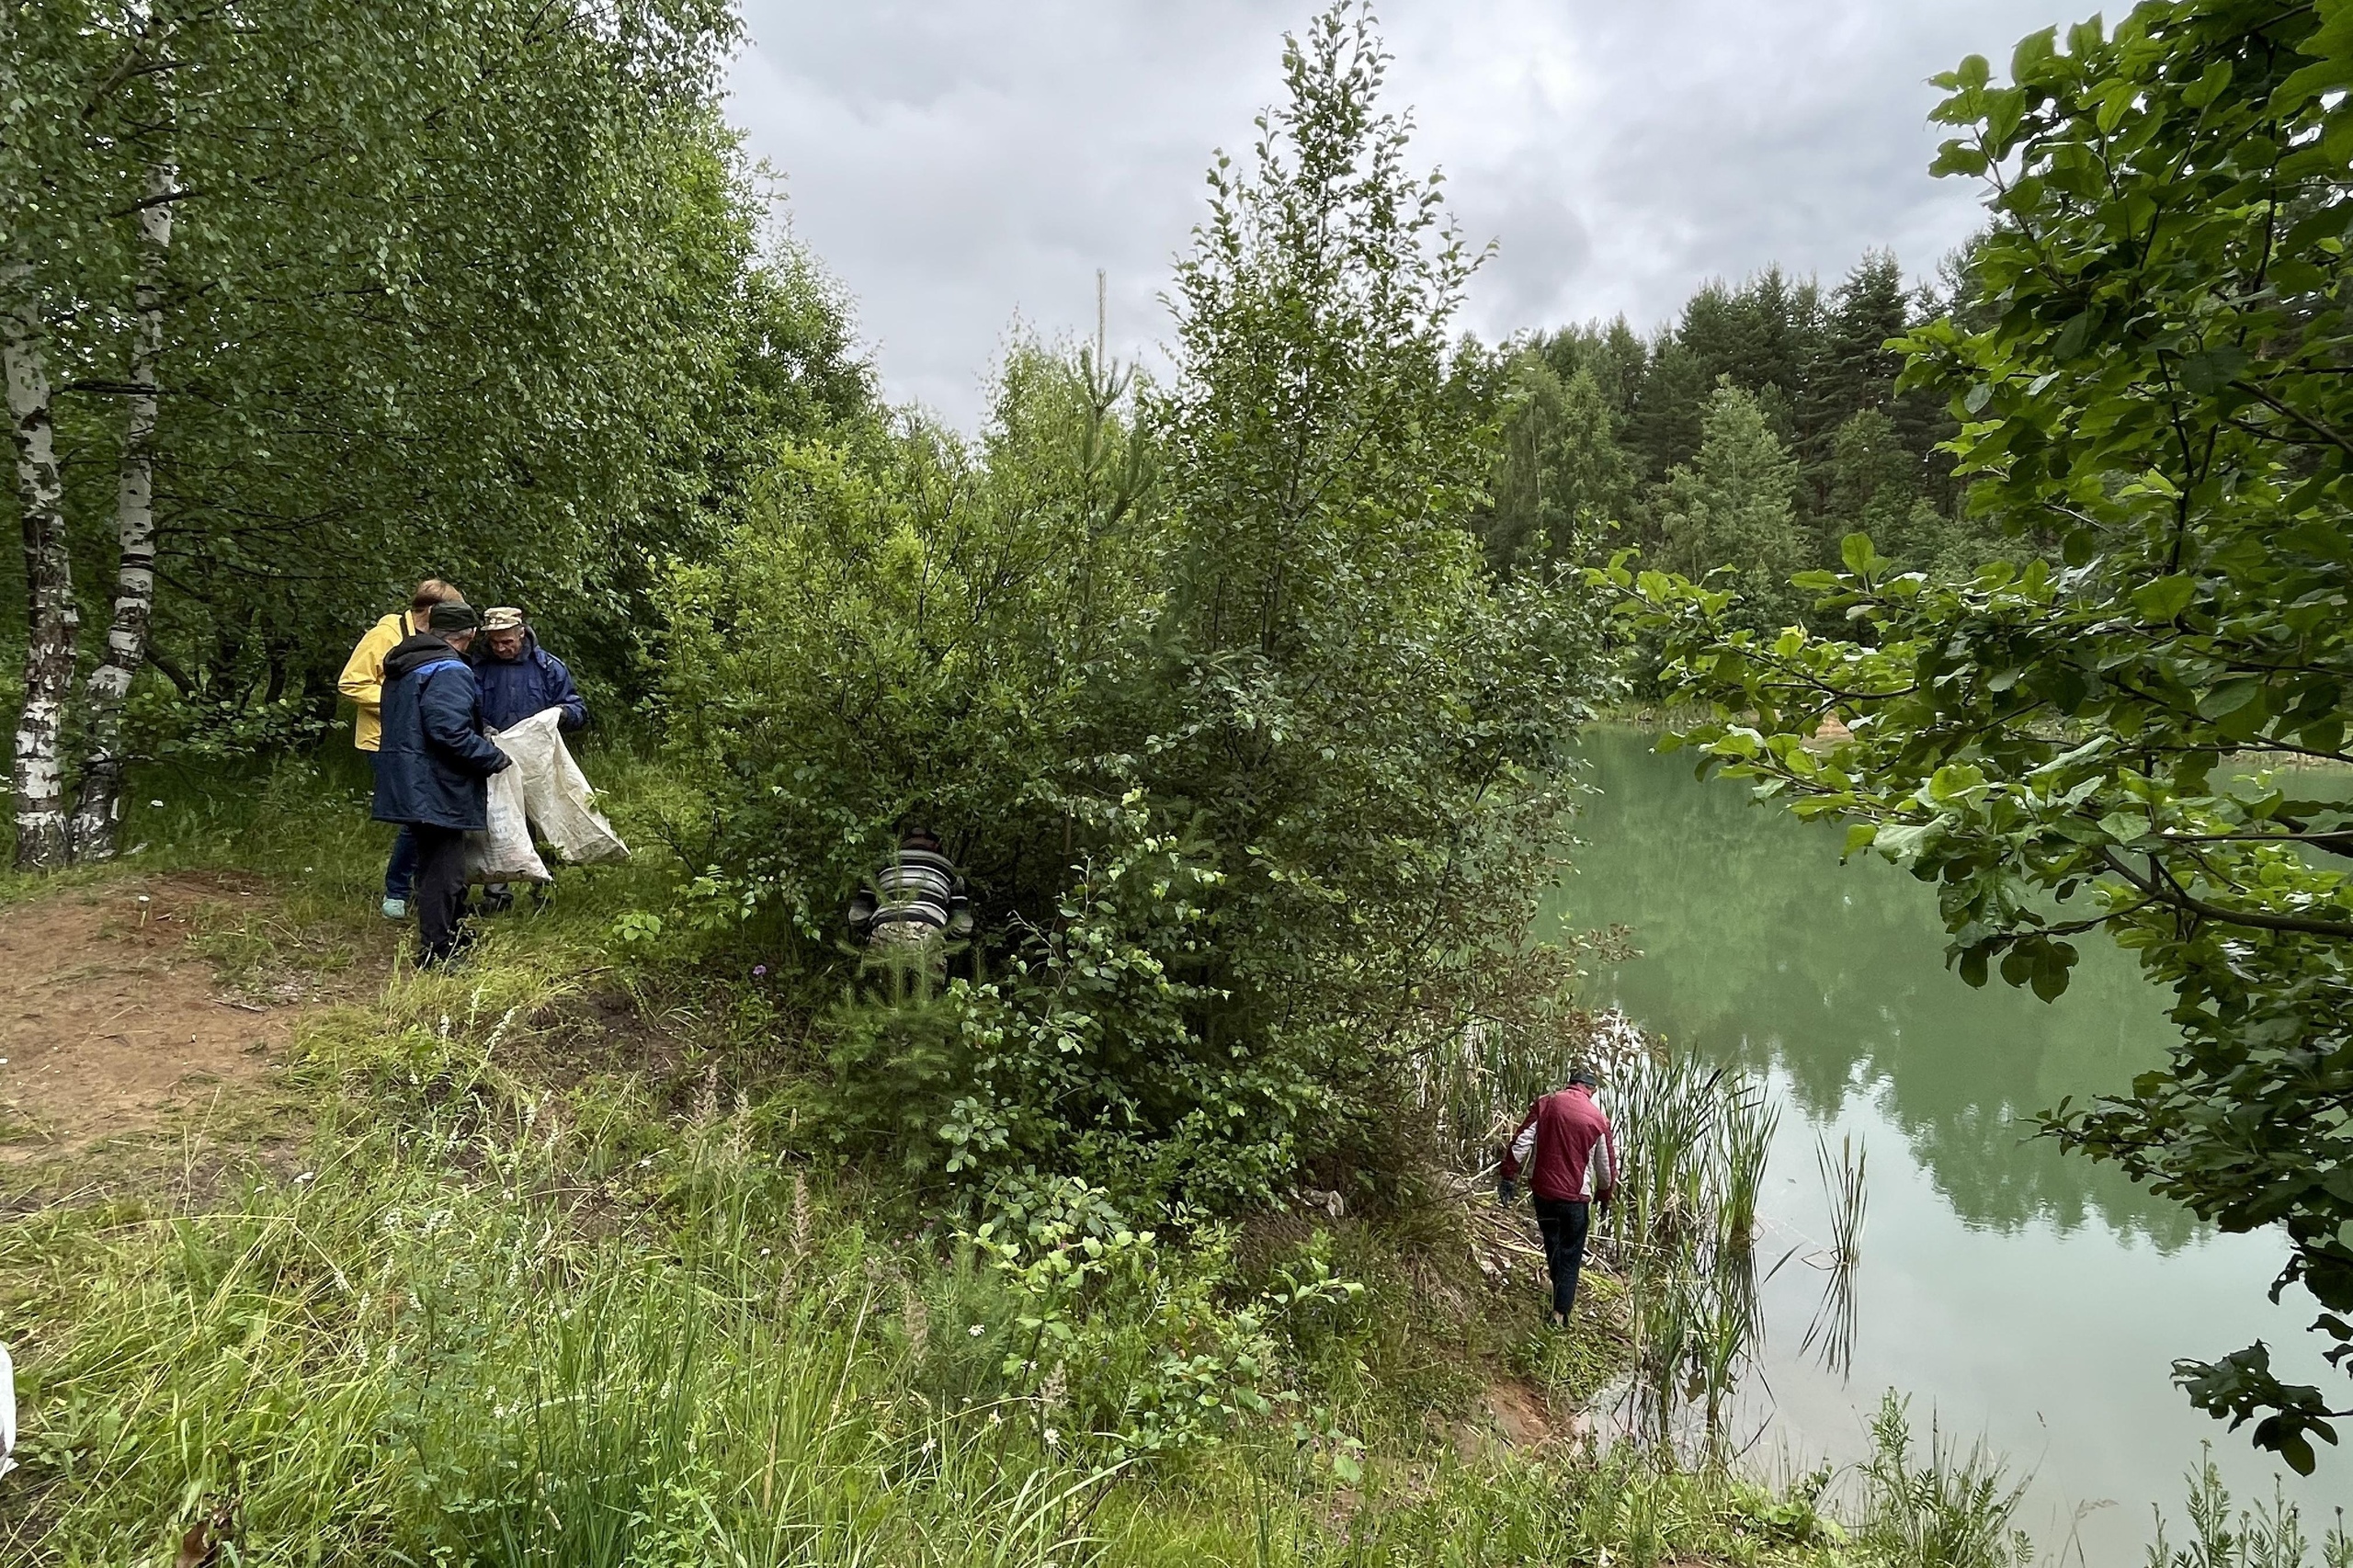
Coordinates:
column 30, row 102
column 99, row 810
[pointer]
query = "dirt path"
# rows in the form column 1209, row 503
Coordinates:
column 113, row 1020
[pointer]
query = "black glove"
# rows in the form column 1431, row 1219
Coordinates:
column 1507, row 1191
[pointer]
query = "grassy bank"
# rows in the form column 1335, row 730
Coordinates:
column 543, row 1261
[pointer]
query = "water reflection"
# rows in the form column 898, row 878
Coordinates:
column 1760, row 948
column 2010, row 1289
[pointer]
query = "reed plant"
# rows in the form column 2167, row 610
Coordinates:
column 1695, row 1140
column 1831, row 1331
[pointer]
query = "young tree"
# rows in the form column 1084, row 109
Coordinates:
column 2159, row 379
column 1731, row 508
column 1253, row 769
column 1562, row 475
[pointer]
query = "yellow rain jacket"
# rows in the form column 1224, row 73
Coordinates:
column 363, row 676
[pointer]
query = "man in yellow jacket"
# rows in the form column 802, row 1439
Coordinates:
column 363, row 682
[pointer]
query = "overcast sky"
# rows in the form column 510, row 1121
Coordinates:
column 961, row 165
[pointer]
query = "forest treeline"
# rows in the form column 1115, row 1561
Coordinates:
column 1750, row 435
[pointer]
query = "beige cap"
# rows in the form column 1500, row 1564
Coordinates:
column 502, row 618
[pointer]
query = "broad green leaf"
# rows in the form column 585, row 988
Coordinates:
column 2164, row 598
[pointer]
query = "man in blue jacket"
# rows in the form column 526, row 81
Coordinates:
column 433, row 767
column 519, row 678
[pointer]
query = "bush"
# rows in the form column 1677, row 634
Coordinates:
column 1254, row 773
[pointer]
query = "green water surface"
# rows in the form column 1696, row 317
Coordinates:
column 2021, row 1292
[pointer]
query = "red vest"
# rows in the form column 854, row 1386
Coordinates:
column 1568, row 1147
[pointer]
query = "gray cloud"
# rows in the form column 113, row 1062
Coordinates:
column 961, row 166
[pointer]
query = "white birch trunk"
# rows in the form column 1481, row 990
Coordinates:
column 97, row 814
column 51, row 620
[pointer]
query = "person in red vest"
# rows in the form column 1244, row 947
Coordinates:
column 1571, row 1157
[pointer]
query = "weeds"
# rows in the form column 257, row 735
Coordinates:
column 1956, row 1511
column 2267, row 1536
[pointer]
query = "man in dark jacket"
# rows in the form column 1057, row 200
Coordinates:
column 434, row 766
column 1570, row 1152
column 519, row 678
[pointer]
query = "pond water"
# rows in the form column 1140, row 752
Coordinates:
column 2019, row 1293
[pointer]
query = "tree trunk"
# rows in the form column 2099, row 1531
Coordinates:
column 51, row 620
column 97, row 814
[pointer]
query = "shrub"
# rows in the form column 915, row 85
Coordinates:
column 1254, row 773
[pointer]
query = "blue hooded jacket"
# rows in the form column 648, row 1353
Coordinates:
column 514, row 689
column 434, row 764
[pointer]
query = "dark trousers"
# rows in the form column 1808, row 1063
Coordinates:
column 440, row 888
column 399, row 872
column 1565, row 1224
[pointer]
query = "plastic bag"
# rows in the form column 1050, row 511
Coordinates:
column 504, row 852
column 561, row 805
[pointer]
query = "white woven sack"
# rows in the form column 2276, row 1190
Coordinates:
column 503, row 853
column 561, row 806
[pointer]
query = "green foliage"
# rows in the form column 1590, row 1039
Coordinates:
column 1875, row 489
column 1606, row 432
column 453, row 287
column 1732, row 506
column 1135, row 1350
column 2160, row 380
column 2265, row 1536
column 1248, row 763
column 1955, row 1511
column 1562, row 477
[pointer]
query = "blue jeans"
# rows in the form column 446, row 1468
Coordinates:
column 399, row 872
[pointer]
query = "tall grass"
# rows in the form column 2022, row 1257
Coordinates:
column 1843, row 1184
column 1694, row 1141
column 479, row 1327
column 2265, row 1536
column 377, row 1363
column 1955, row 1511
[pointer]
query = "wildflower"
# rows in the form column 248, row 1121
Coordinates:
column 157, row 804
column 763, row 1252
column 978, row 1331
column 759, row 969
column 1053, row 1438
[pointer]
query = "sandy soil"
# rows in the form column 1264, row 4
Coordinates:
column 111, row 1023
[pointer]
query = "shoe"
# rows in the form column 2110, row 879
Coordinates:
column 497, row 899
column 396, row 909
